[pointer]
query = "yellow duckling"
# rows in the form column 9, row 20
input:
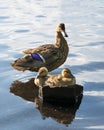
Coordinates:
column 59, row 80
column 50, row 56
column 41, row 77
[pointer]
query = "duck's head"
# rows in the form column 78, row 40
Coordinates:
column 66, row 73
column 43, row 71
column 61, row 28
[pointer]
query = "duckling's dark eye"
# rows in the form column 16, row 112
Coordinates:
column 66, row 71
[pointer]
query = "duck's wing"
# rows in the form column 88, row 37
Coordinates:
column 53, row 81
column 44, row 55
column 68, row 81
column 48, row 52
column 41, row 49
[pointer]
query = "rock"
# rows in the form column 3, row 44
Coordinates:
column 62, row 94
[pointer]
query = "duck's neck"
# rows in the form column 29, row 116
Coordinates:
column 60, row 40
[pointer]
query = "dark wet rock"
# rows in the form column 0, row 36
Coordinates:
column 62, row 94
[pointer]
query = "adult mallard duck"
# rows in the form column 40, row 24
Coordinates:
column 59, row 80
column 48, row 55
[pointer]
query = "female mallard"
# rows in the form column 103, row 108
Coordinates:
column 59, row 80
column 49, row 55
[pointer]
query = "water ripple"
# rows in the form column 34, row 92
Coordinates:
column 22, row 30
column 29, row 23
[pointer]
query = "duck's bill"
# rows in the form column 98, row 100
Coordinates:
column 65, row 34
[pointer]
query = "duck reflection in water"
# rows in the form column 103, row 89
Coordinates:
column 60, row 112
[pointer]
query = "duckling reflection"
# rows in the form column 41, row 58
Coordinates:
column 60, row 113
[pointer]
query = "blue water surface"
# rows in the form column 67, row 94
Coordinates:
column 30, row 23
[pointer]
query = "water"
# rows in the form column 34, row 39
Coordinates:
column 30, row 23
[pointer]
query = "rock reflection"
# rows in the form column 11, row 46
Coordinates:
column 60, row 112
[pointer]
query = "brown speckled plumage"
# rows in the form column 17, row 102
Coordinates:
column 54, row 54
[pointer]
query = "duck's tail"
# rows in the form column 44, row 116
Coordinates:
column 27, row 63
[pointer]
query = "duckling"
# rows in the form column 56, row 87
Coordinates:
column 50, row 56
column 67, row 77
column 40, row 79
column 58, row 80
column 61, row 80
